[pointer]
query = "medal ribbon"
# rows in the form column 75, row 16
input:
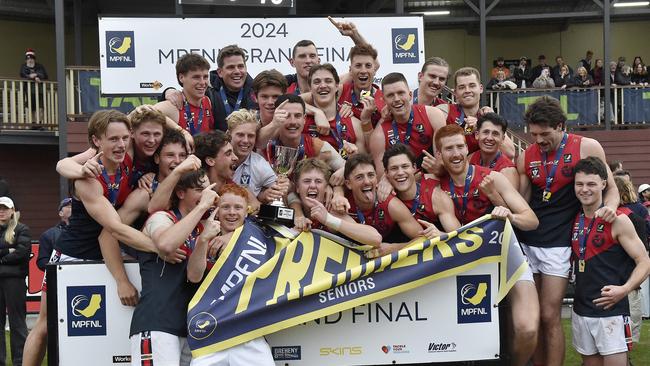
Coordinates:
column 112, row 187
column 226, row 105
column 465, row 197
column 409, row 130
column 190, row 120
column 550, row 176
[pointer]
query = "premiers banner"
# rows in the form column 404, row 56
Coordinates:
column 138, row 55
column 264, row 282
column 580, row 105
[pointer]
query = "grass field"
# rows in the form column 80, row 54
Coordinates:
column 640, row 354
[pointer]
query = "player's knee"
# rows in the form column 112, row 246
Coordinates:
column 526, row 329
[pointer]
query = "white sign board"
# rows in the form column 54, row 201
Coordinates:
column 421, row 325
column 138, row 55
column 433, row 323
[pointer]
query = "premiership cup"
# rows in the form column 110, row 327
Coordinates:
column 283, row 165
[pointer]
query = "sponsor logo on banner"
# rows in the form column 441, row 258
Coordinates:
column 436, row 347
column 202, row 325
column 151, row 85
column 341, row 351
column 405, row 46
column 286, row 353
column 120, row 49
column 395, row 348
column 86, row 311
column 122, row 359
column 473, row 299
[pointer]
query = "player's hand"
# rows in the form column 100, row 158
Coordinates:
column 606, row 213
column 487, row 186
column 385, row 113
column 280, row 115
column 346, row 110
column 189, row 140
column 216, row 246
column 501, row 213
column 485, row 110
column 384, row 189
column 211, row 227
column 190, row 164
column 93, row 168
column 349, row 148
column 175, row 97
column 178, row 256
column 127, row 293
column 337, row 178
column 318, row 211
column 144, row 108
column 339, row 204
column 430, row 164
column 382, row 250
column 322, row 124
column 301, row 223
column 369, row 107
column 347, row 29
column 208, row 197
column 610, row 295
column 470, row 123
column 146, row 182
column 429, row 230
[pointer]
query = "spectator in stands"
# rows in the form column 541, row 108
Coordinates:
column 623, row 174
column 615, row 166
column 501, row 83
column 15, row 247
column 644, row 194
column 523, row 74
column 544, row 81
column 624, row 76
column 621, row 63
column 637, row 60
column 613, row 73
column 557, row 69
column 500, row 67
column 639, row 75
column 597, row 72
column 51, row 235
column 586, row 62
column 563, row 79
column 582, row 79
column 537, row 70
column 31, row 69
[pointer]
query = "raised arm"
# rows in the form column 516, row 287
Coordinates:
column 364, row 234
column 402, row 216
column 80, row 166
column 524, row 181
column 444, row 207
column 377, row 149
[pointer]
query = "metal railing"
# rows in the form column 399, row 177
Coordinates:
column 28, row 104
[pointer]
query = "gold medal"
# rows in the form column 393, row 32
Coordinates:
column 581, row 265
column 546, row 196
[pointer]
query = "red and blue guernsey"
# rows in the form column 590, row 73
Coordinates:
column 456, row 115
column 377, row 216
column 348, row 95
column 341, row 129
column 598, row 260
column 79, row 239
column 417, row 133
column 421, row 206
column 552, row 195
column 469, row 202
column 499, row 163
column 196, row 119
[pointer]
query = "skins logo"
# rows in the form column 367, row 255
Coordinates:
column 120, row 49
column 202, row 325
column 405, row 46
column 473, row 299
column 86, row 310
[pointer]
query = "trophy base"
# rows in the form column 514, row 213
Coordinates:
column 277, row 214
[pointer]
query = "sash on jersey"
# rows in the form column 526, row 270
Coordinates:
column 267, row 280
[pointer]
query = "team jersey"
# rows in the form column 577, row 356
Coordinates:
column 417, row 133
column 436, row 100
column 340, row 129
column 292, row 81
column 557, row 210
column 79, row 238
column 469, row 202
column 498, row 164
column 422, row 201
column 348, row 95
column 604, row 261
column 456, row 115
column 377, row 216
column 196, row 119
column 164, row 283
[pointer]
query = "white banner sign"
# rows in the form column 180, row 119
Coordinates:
column 138, row 55
column 427, row 324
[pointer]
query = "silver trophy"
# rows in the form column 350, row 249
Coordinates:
column 283, row 165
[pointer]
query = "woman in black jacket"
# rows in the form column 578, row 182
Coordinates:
column 15, row 247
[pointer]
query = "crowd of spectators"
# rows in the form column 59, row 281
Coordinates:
column 587, row 73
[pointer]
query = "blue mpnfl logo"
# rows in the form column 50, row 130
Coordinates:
column 405, row 46
column 120, row 49
column 86, row 310
column 473, row 299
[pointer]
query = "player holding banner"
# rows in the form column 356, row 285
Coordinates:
column 546, row 180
